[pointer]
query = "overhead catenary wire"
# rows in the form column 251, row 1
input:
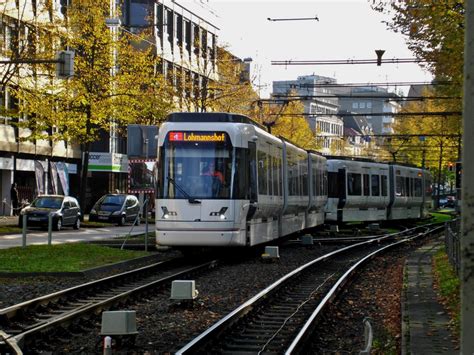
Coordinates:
column 388, row 97
column 369, row 84
column 348, row 61
column 395, row 114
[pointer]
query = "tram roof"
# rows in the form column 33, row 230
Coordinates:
column 210, row 117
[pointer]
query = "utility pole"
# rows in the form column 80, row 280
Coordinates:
column 467, row 209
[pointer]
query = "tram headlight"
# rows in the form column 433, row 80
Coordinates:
column 222, row 212
column 166, row 213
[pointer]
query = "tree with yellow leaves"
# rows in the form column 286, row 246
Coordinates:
column 114, row 84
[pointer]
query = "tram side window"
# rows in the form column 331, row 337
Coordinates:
column 366, row 185
column 375, row 180
column 270, row 174
column 304, row 177
column 354, row 184
column 293, row 176
column 325, row 182
column 428, row 187
column 384, row 185
column 262, row 173
column 418, row 187
column 400, row 186
column 280, row 174
column 299, row 171
column 316, row 178
column 333, row 187
column 241, row 187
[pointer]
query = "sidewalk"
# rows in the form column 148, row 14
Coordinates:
column 424, row 320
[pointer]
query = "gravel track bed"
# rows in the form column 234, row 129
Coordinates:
column 164, row 327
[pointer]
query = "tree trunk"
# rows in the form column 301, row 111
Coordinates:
column 85, row 164
column 83, row 183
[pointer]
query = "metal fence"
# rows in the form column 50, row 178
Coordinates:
column 452, row 233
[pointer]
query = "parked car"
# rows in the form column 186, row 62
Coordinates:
column 65, row 211
column 116, row 208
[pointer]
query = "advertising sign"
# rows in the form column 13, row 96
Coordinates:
column 39, row 173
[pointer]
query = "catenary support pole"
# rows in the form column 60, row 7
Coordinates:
column 467, row 210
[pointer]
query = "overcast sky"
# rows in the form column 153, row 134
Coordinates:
column 347, row 29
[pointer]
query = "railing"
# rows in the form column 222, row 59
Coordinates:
column 452, row 233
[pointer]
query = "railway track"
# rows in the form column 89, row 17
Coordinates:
column 280, row 318
column 23, row 323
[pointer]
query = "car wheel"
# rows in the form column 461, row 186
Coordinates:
column 77, row 224
column 58, row 225
column 122, row 221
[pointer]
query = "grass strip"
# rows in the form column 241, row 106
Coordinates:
column 70, row 257
column 447, row 285
column 440, row 217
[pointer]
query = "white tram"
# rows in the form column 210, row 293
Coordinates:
column 258, row 188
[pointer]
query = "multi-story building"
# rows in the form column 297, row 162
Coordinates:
column 27, row 162
column 357, row 135
column 184, row 38
column 320, row 107
column 369, row 100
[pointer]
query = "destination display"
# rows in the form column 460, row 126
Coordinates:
column 197, row 136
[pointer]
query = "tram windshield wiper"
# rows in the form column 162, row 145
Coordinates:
column 180, row 189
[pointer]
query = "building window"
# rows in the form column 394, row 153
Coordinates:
column 369, row 104
column 203, row 43
column 139, row 13
column 196, row 39
column 355, row 105
column 159, row 21
column 187, row 35
column 179, row 30
column 170, row 25
column 362, row 105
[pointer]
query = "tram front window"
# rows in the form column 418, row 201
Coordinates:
column 196, row 170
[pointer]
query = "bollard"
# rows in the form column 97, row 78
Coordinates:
column 368, row 337
column 23, row 231
column 107, row 346
column 50, row 228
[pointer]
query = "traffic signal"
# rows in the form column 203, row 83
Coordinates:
column 458, row 174
column 450, row 166
column 65, row 64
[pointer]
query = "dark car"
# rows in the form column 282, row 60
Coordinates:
column 65, row 211
column 116, row 208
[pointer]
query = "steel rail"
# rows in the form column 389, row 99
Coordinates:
column 9, row 312
column 296, row 345
column 245, row 308
column 95, row 305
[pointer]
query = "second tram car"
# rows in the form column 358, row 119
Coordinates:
column 363, row 190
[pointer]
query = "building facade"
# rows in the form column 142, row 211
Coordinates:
column 371, row 100
column 185, row 39
column 320, row 108
column 31, row 164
